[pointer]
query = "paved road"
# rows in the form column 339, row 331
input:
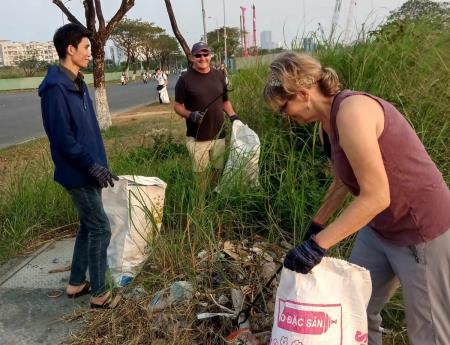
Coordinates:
column 20, row 114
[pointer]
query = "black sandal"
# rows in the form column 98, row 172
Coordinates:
column 110, row 303
column 84, row 291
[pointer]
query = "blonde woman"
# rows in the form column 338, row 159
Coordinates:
column 401, row 204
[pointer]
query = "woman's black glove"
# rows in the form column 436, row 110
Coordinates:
column 313, row 229
column 102, row 175
column 304, row 257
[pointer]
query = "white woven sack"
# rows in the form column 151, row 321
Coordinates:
column 134, row 207
column 324, row 307
column 244, row 154
column 164, row 95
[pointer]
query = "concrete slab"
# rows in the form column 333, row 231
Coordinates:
column 33, row 301
column 34, row 272
column 29, row 316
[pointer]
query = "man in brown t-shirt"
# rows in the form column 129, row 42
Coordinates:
column 201, row 98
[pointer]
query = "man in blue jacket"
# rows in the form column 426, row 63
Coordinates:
column 80, row 160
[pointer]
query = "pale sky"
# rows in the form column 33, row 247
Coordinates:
column 37, row 20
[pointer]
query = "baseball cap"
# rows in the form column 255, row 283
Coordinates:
column 199, row 46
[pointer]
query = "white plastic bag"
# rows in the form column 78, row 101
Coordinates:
column 324, row 307
column 134, row 207
column 244, row 155
column 164, row 95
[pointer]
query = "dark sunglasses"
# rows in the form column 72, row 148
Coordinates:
column 198, row 56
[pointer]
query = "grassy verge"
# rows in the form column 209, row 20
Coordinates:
column 33, row 204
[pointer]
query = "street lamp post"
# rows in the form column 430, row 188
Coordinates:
column 205, row 38
column 224, row 37
column 217, row 27
column 62, row 13
column 218, row 57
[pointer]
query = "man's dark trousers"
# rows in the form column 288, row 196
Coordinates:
column 92, row 239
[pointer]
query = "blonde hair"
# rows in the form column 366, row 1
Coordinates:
column 290, row 72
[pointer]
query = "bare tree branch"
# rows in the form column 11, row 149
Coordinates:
column 90, row 15
column 69, row 15
column 176, row 31
column 101, row 19
column 124, row 8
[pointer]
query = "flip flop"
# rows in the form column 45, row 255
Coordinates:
column 110, row 303
column 84, row 291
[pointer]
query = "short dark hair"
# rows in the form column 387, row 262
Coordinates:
column 69, row 34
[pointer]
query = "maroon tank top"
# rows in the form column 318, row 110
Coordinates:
column 420, row 199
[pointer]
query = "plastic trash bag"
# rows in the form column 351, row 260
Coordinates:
column 244, row 156
column 324, row 307
column 134, row 207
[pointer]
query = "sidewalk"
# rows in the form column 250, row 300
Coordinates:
column 33, row 301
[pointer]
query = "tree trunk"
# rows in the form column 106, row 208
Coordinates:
column 176, row 31
column 101, row 100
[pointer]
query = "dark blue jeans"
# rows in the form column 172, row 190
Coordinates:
column 92, row 239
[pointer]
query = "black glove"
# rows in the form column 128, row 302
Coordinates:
column 102, row 175
column 196, row 116
column 304, row 257
column 313, row 229
column 234, row 117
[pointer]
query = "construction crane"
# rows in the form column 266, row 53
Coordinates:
column 255, row 49
column 334, row 21
column 244, row 48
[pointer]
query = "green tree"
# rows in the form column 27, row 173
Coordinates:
column 100, row 30
column 216, row 42
column 162, row 48
column 146, row 41
column 30, row 63
column 436, row 14
column 127, row 37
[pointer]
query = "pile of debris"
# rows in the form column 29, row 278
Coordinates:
column 216, row 308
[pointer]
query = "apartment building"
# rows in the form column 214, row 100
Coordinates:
column 13, row 52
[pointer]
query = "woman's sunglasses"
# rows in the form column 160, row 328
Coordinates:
column 198, row 56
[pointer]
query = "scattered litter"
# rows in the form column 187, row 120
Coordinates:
column 54, row 293
column 181, row 291
column 268, row 269
column 136, row 293
column 230, row 249
column 60, row 269
column 222, row 307
column 216, row 280
column 158, row 302
column 237, row 298
column 202, row 316
column 202, row 254
column 223, row 299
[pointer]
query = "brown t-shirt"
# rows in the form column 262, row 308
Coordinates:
column 420, row 199
column 196, row 90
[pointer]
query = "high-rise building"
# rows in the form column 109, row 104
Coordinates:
column 11, row 53
column 115, row 54
column 266, row 40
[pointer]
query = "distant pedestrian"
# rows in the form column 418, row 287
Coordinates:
column 79, row 156
column 201, row 97
column 123, row 79
column 162, row 81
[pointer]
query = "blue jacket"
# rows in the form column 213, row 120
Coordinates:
column 72, row 129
